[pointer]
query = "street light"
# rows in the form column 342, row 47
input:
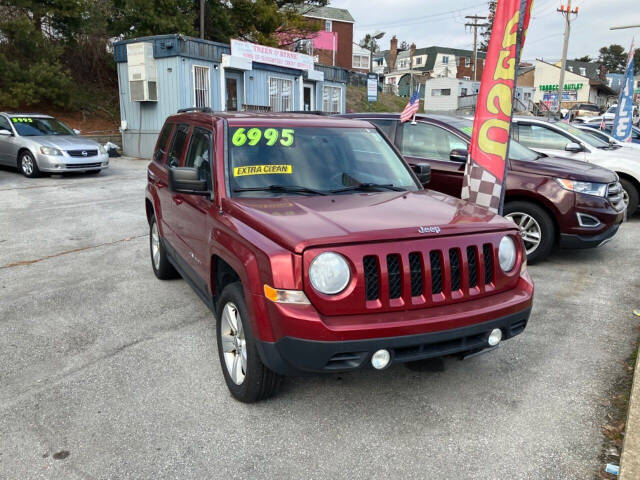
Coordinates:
column 377, row 35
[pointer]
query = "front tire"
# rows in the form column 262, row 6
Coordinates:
column 160, row 263
column 27, row 165
column 247, row 378
column 536, row 228
column 630, row 195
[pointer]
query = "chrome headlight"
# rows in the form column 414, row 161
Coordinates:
column 101, row 149
column 507, row 253
column 50, row 151
column 590, row 188
column 329, row 273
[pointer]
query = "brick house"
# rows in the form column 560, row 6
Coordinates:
column 333, row 44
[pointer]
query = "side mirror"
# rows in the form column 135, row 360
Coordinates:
column 422, row 171
column 76, row 131
column 573, row 147
column 459, row 155
column 6, row 133
column 187, row 180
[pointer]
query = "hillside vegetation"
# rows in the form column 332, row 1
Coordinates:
column 357, row 101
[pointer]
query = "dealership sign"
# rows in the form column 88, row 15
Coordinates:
column 270, row 55
column 567, row 86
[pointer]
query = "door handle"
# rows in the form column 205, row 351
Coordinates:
column 177, row 200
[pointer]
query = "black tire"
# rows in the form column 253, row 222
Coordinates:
column 161, row 265
column 27, row 165
column 259, row 382
column 547, row 227
column 632, row 195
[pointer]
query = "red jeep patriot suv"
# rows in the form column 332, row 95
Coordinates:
column 318, row 250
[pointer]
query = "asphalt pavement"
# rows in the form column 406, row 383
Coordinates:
column 108, row 373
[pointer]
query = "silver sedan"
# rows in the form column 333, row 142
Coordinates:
column 37, row 143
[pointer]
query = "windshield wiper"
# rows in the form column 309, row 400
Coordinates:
column 368, row 187
column 281, row 188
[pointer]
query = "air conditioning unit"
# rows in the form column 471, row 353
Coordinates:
column 143, row 72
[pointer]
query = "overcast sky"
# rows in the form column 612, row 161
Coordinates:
column 441, row 23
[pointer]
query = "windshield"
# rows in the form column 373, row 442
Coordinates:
column 584, row 136
column 517, row 151
column 38, row 126
column 589, row 108
column 310, row 158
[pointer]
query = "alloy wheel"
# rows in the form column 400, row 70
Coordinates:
column 234, row 344
column 530, row 230
column 155, row 246
column 625, row 197
column 27, row 164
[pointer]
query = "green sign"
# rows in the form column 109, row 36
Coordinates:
column 567, row 86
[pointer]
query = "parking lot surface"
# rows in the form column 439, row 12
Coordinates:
column 107, row 372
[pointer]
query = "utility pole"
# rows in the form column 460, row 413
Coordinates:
column 475, row 26
column 566, row 12
column 202, row 19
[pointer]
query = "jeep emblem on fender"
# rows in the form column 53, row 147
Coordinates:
column 429, row 229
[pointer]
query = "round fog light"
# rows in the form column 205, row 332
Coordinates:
column 494, row 337
column 380, row 359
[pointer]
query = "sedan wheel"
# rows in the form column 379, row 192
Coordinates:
column 234, row 344
column 530, row 230
column 28, row 166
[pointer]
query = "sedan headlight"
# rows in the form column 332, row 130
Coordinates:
column 101, row 149
column 50, row 151
column 590, row 188
column 507, row 254
column 329, row 273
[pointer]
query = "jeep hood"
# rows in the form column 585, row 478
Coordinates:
column 298, row 222
column 564, row 168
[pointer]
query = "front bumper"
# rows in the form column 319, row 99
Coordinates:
column 65, row 163
column 295, row 356
column 588, row 241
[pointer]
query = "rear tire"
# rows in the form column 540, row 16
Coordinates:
column 27, row 165
column 160, row 263
column 631, row 195
column 247, row 378
column 536, row 228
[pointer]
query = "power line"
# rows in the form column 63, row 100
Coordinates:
column 415, row 19
column 475, row 26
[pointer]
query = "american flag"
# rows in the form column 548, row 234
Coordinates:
column 412, row 107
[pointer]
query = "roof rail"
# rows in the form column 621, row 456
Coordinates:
column 195, row 109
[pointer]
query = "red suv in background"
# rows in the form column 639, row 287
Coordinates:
column 318, row 250
column 553, row 200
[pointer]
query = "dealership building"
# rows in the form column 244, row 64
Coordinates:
column 159, row 75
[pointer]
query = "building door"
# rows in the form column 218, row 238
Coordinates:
column 308, row 97
column 234, row 91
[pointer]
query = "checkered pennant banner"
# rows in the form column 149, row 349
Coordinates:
column 481, row 187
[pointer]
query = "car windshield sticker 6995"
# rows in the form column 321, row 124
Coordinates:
column 265, row 136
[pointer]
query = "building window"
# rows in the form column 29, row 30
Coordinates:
column 331, row 99
column 360, row 61
column 441, row 92
column 201, row 90
column 570, row 68
column 418, row 60
column 445, row 59
column 466, row 77
column 583, row 71
column 328, row 25
column 280, row 94
column 467, row 62
column 403, row 64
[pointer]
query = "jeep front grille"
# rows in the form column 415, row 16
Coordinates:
column 615, row 196
column 433, row 277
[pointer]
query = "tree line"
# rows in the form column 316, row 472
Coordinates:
column 59, row 52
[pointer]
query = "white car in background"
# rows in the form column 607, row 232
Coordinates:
column 563, row 140
column 602, row 135
column 610, row 115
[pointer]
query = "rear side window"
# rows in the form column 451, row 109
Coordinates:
column 199, row 154
column 541, row 137
column 162, row 142
column 428, row 141
column 177, row 145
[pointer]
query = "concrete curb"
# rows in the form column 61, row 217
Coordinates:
column 630, row 458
